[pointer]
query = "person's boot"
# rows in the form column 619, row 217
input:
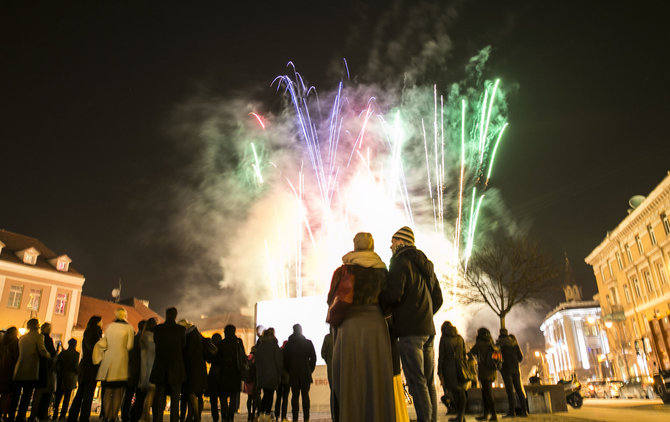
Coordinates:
column 482, row 417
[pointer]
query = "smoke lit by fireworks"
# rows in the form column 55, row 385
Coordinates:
column 367, row 165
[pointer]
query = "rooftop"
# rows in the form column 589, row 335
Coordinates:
column 14, row 242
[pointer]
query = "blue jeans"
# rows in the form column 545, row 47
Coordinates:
column 418, row 364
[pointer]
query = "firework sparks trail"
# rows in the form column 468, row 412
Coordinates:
column 378, row 189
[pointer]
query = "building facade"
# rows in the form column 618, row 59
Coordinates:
column 575, row 339
column 631, row 271
column 35, row 282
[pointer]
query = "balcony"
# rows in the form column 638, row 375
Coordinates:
column 615, row 313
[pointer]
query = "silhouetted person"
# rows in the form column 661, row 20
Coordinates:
column 299, row 361
column 81, row 404
column 132, row 409
column 26, row 371
column 487, row 374
column 46, row 385
column 450, row 367
column 511, row 354
column 66, row 377
column 168, row 372
column 269, row 365
column 283, row 390
column 196, row 370
column 147, row 356
column 9, row 355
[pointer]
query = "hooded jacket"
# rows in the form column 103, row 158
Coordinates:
column 511, row 353
column 451, row 358
column 480, row 350
column 414, row 293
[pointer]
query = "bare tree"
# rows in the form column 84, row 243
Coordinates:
column 505, row 273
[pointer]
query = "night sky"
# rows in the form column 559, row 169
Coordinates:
column 90, row 95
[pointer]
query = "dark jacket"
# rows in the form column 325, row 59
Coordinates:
column 135, row 361
column 269, row 363
column 413, row 291
column 511, row 354
column 9, row 354
column 168, row 366
column 451, row 358
column 66, row 369
column 299, row 360
column 230, row 375
column 46, row 378
column 483, row 346
column 87, row 371
column 194, row 362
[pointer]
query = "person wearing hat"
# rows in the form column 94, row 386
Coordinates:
column 362, row 367
column 511, row 354
column 414, row 293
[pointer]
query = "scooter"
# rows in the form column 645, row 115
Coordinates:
column 572, row 389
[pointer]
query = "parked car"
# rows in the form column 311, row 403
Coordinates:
column 602, row 389
column 638, row 388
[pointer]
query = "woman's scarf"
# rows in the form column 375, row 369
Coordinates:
column 367, row 259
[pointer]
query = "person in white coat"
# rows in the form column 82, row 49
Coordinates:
column 118, row 340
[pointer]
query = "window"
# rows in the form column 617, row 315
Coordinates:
column 666, row 223
column 619, row 261
column 630, row 255
column 15, row 296
column 626, row 292
column 614, row 295
column 61, row 266
column 640, row 249
column 609, row 266
column 636, row 286
column 636, row 329
column 29, row 258
column 661, row 273
column 649, row 281
column 652, row 236
column 34, row 299
column 61, row 304
column 602, row 273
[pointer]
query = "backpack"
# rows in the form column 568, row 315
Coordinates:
column 469, row 370
column 493, row 359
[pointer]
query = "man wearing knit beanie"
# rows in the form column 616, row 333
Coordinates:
column 414, row 292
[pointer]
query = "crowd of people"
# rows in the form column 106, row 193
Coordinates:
column 381, row 321
column 138, row 370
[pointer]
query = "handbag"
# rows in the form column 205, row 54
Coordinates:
column 344, row 297
column 468, row 371
column 99, row 349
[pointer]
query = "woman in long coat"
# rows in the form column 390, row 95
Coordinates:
column 482, row 348
column 450, row 366
column 269, row 364
column 113, row 371
column 9, row 354
column 362, row 366
column 80, row 410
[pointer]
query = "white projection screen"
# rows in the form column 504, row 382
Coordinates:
column 282, row 314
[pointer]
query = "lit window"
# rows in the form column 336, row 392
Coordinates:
column 636, row 329
column 61, row 304
column 636, row 286
column 666, row 223
column 29, row 259
column 652, row 235
column 648, row 280
column 626, row 292
column 34, row 299
column 62, row 266
column 609, row 266
column 15, row 296
column 640, row 249
column 619, row 261
column 629, row 254
column 661, row 273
